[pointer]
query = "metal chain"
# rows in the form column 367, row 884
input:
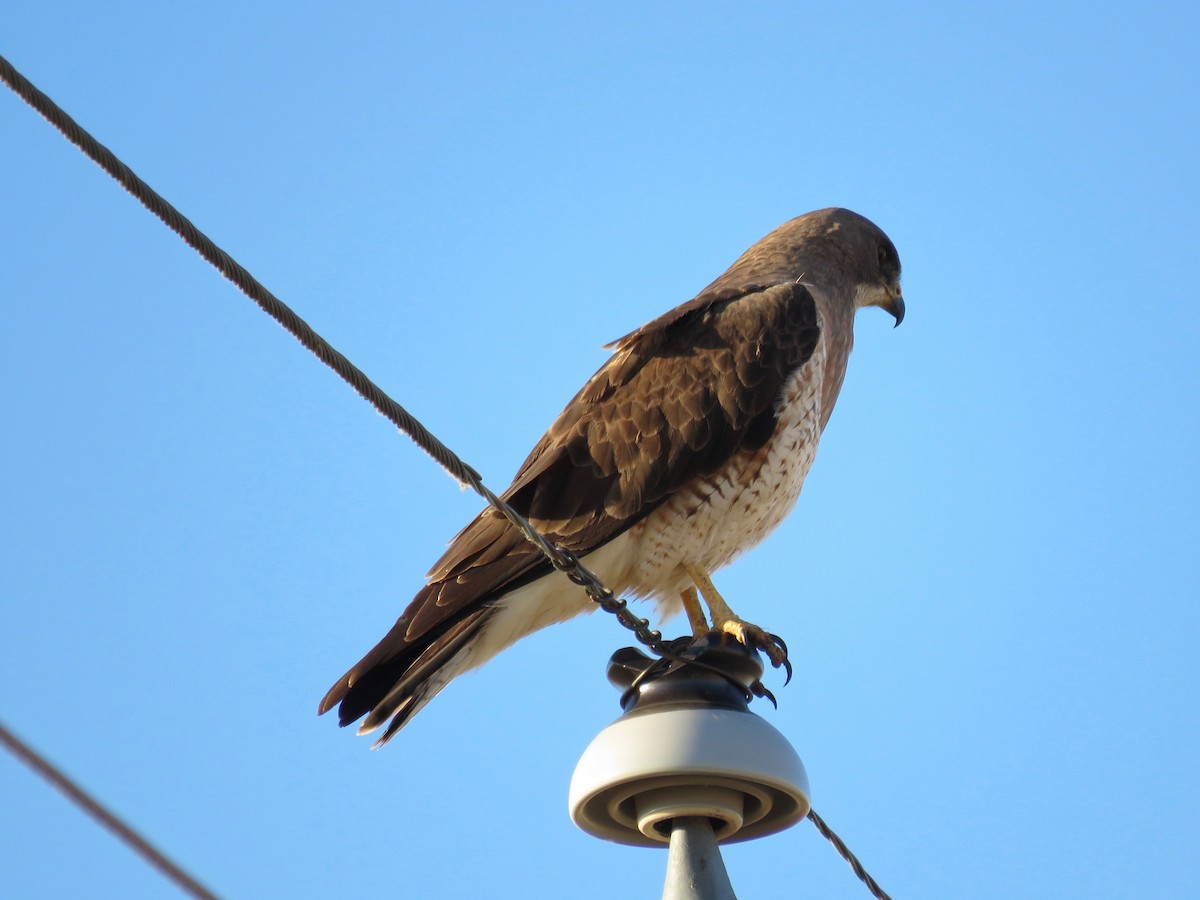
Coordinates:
column 570, row 565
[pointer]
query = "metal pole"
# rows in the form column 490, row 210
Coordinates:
column 695, row 870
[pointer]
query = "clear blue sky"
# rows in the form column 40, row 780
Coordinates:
column 989, row 586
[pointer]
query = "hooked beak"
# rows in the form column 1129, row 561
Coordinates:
column 895, row 304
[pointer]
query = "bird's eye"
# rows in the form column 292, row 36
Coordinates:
column 882, row 255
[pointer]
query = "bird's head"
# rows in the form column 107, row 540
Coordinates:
column 844, row 254
column 867, row 255
column 830, row 247
column 881, row 286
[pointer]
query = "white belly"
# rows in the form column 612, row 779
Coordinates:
column 714, row 520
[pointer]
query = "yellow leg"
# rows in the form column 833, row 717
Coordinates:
column 721, row 613
column 695, row 614
column 724, row 619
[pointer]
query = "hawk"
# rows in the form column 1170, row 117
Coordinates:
column 682, row 452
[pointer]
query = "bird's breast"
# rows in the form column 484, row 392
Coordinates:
column 716, row 517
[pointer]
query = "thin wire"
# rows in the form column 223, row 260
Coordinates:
column 562, row 559
column 97, row 811
column 844, row 851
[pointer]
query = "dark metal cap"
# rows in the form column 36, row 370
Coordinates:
column 715, row 670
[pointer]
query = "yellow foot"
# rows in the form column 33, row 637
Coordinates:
column 755, row 638
column 724, row 620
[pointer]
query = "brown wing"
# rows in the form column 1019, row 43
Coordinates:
column 679, row 397
column 674, row 402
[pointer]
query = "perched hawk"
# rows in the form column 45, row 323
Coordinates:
column 686, row 449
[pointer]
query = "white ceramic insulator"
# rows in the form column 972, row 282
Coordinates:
column 689, row 760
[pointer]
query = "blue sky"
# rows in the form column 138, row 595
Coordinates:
column 989, row 585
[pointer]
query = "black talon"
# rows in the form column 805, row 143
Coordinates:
column 787, row 663
column 760, row 690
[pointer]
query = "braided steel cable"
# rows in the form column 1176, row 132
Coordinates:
column 844, row 851
column 279, row 311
